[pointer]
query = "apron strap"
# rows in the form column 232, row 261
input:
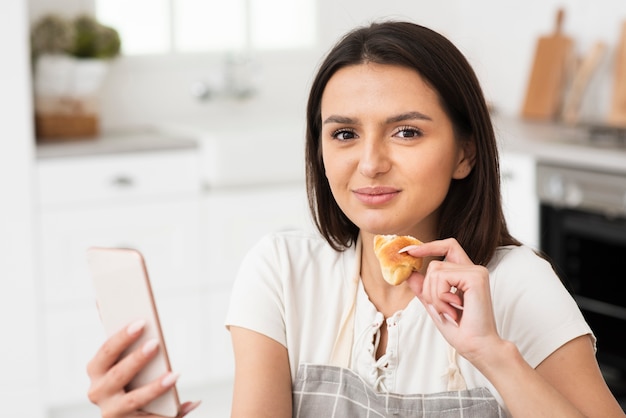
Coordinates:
column 455, row 378
column 342, row 349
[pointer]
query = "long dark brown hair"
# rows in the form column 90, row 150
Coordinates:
column 472, row 210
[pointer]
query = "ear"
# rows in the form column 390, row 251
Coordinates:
column 467, row 158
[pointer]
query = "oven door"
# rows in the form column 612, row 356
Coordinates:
column 589, row 252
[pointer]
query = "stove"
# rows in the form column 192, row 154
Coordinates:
column 583, row 231
column 607, row 136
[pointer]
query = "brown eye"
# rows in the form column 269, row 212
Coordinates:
column 408, row 132
column 344, row 134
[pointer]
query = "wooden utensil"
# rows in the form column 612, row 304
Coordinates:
column 552, row 60
column 582, row 77
column 617, row 114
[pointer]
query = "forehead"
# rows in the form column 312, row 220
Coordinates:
column 370, row 86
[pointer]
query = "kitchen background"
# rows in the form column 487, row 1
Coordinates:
column 196, row 201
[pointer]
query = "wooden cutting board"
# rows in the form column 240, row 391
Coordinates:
column 580, row 82
column 553, row 59
column 617, row 115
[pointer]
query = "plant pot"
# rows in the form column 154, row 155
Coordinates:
column 67, row 96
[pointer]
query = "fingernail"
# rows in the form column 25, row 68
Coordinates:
column 169, row 379
column 150, row 346
column 190, row 407
column 433, row 311
column 449, row 318
column 454, row 305
column 407, row 248
column 136, row 326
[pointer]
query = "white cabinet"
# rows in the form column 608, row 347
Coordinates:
column 149, row 201
column 236, row 218
column 519, row 199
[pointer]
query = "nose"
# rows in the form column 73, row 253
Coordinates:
column 374, row 159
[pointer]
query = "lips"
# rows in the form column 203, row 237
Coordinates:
column 376, row 195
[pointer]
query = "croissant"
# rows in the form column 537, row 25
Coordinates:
column 396, row 267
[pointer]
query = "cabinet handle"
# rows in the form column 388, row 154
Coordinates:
column 123, row 181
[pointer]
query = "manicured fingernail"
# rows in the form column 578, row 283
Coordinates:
column 150, row 346
column 136, row 326
column 169, row 379
column 189, row 407
column 449, row 318
column 454, row 305
column 433, row 311
column 407, row 248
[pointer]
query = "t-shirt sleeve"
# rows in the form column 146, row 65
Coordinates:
column 533, row 308
column 256, row 301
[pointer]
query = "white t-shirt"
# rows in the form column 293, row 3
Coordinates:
column 294, row 288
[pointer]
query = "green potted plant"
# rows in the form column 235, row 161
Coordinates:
column 71, row 58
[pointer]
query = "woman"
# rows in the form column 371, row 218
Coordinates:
column 399, row 141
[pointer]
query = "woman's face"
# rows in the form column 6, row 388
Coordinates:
column 389, row 149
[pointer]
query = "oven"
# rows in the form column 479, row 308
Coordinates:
column 583, row 232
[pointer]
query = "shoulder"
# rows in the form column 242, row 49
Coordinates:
column 533, row 308
column 515, row 271
column 294, row 241
column 296, row 246
column 523, row 269
column 514, row 256
column 296, row 255
column 281, row 283
column 521, row 266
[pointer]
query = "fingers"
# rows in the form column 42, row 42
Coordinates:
column 450, row 309
column 450, row 273
column 448, row 249
column 440, row 282
column 112, row 383
column 439, row 298
column 126, row 369
column 136, row 399
column 187, row 407
column 108, row 374
column 112, row 349
column 127, row 404
column 456, row 294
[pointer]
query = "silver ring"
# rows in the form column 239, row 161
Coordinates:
column 453, row 290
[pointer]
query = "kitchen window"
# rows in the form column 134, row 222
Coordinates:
column 192, row 26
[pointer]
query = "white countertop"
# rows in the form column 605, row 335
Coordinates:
column 559, row 144
column 115, row 143
column 246, row 153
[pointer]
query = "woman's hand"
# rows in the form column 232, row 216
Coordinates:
column 109, row 376
column 456, row 294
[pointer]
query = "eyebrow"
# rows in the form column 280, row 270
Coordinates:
column 408, row 116
column 393, row 119
column 340, row 119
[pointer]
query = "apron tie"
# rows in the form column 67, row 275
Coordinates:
column 455, row 378
column 342, row 348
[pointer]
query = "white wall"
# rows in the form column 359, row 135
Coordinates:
column 19, row 378
column 497, row 37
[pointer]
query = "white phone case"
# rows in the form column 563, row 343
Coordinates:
column 123, row 294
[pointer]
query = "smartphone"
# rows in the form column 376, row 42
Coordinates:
column 124, row 295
